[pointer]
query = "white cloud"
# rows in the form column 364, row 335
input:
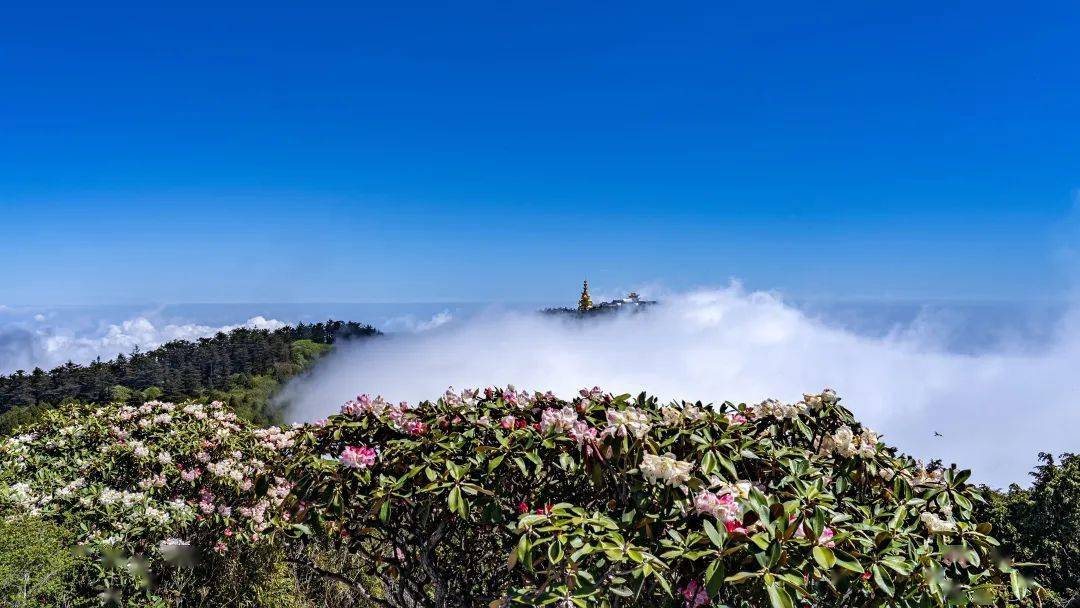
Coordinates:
column 47, row 347
column 409, row 323
column 996, row 410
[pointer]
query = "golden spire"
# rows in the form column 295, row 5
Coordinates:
column 585, row 303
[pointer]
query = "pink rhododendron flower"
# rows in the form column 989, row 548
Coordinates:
column 826, row 538
column 733, row 526
column 694, row 595
column 558, row 420
column 358, row 457
column 720, row 506
column 582, row 433
column 507, row 422
column 735, row 418
column 416, row 427
column 591, row 394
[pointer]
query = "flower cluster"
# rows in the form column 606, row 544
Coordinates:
column 358, row 457
column 274, row 438
column 666, row 469
column 721, row 506
column 684, row 413
column 775, row 409
column 560, row 420
column 630, row 422
column 825, row 539
column 150, row 479
column 846, row 444
column 922, row 477
column 935, row 524
column 816, row 401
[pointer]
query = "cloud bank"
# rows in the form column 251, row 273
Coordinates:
column 28, row 345
column 996, row 410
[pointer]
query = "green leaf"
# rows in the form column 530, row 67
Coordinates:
column 778, row 597
column 962, row 502
column 851, row 565
column 714, row 535
column 1018, row 584
column 761, row 540
column 898, row 565
column 728, row 466
column 708, row 463
column 983, row 595
column 714, row 576
column 741, row 576
column 453, row 500
column 621, row 591
column 555, row 552
column 825, row 557
column 882, row 579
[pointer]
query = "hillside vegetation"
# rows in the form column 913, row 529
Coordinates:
column 160, row 471
column 498, row 497
column 242, row 368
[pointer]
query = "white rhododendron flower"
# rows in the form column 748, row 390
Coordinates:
column 629, row 422
column 846, row 444
column 675, row 415
column 936, row 525
column 665, row 469
column 924, row 477
column 775, row 409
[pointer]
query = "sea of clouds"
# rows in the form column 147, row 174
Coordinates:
column 999, row 392
column 995, row 408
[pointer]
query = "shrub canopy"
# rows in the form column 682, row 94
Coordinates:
column 162, row 494
column 503, row 497
column 506, row 497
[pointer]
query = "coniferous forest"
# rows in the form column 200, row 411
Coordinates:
column 241, row 368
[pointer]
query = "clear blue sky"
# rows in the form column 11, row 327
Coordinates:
column 502, row 151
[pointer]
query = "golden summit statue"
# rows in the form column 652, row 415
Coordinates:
column 585, row 303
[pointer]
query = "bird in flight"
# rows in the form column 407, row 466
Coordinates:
column 937, row 434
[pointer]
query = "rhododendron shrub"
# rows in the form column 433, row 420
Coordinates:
column 171, row 498
column 508, row 498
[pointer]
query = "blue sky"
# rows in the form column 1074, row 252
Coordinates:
column 278, row 152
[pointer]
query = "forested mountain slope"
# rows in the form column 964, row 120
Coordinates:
column 242, row 368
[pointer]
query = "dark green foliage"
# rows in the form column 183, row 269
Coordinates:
column 36, row 568
column 1041, row 524
column 242, row 368
column 517, row 499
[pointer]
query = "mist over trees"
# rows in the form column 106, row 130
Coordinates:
column 242, row 367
